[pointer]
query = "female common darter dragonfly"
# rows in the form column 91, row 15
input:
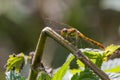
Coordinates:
column 69, row 32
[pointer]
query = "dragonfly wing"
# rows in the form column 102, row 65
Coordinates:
column 55, row 25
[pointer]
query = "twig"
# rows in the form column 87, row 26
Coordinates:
column 75, row 51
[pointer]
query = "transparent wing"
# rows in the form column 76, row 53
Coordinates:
column 55, row 25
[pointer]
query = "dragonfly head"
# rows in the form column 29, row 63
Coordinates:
column 68, row 33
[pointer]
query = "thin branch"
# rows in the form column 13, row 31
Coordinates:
column 75, row 51
column 38, row 56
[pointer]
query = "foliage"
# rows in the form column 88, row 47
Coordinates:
column 44, row 76
column 86, row 74
column 110, row 50
column 16, row 62
column 61, row 72
column 98, row 57
column 13, row 75
column 14, row 65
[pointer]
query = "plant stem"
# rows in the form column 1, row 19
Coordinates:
column 37, row 56
column 75, row 51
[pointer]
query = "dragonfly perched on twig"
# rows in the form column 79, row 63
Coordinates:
column 70, row 32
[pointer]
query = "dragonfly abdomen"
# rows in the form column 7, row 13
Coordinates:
column 91, row 40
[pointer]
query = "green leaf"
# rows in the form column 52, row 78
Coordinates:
column 75, row 77
column 95, row 55
column 87, row 74
column 111, row 49
column 80, row 64
column 84, row 73
column 115, row 69
column 44, row 76
column 74, row 71
column 61, row 72
column 15, row 62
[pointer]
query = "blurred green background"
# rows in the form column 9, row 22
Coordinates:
column 22, row 20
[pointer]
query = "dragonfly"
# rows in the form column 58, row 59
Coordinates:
column 70, row 32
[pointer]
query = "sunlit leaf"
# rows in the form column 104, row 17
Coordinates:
column 95, row 55
column 61, row 72
column 15, row 62
column 111, row 49
column 74, row 71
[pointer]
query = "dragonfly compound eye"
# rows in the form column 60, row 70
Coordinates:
column 64, row 32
